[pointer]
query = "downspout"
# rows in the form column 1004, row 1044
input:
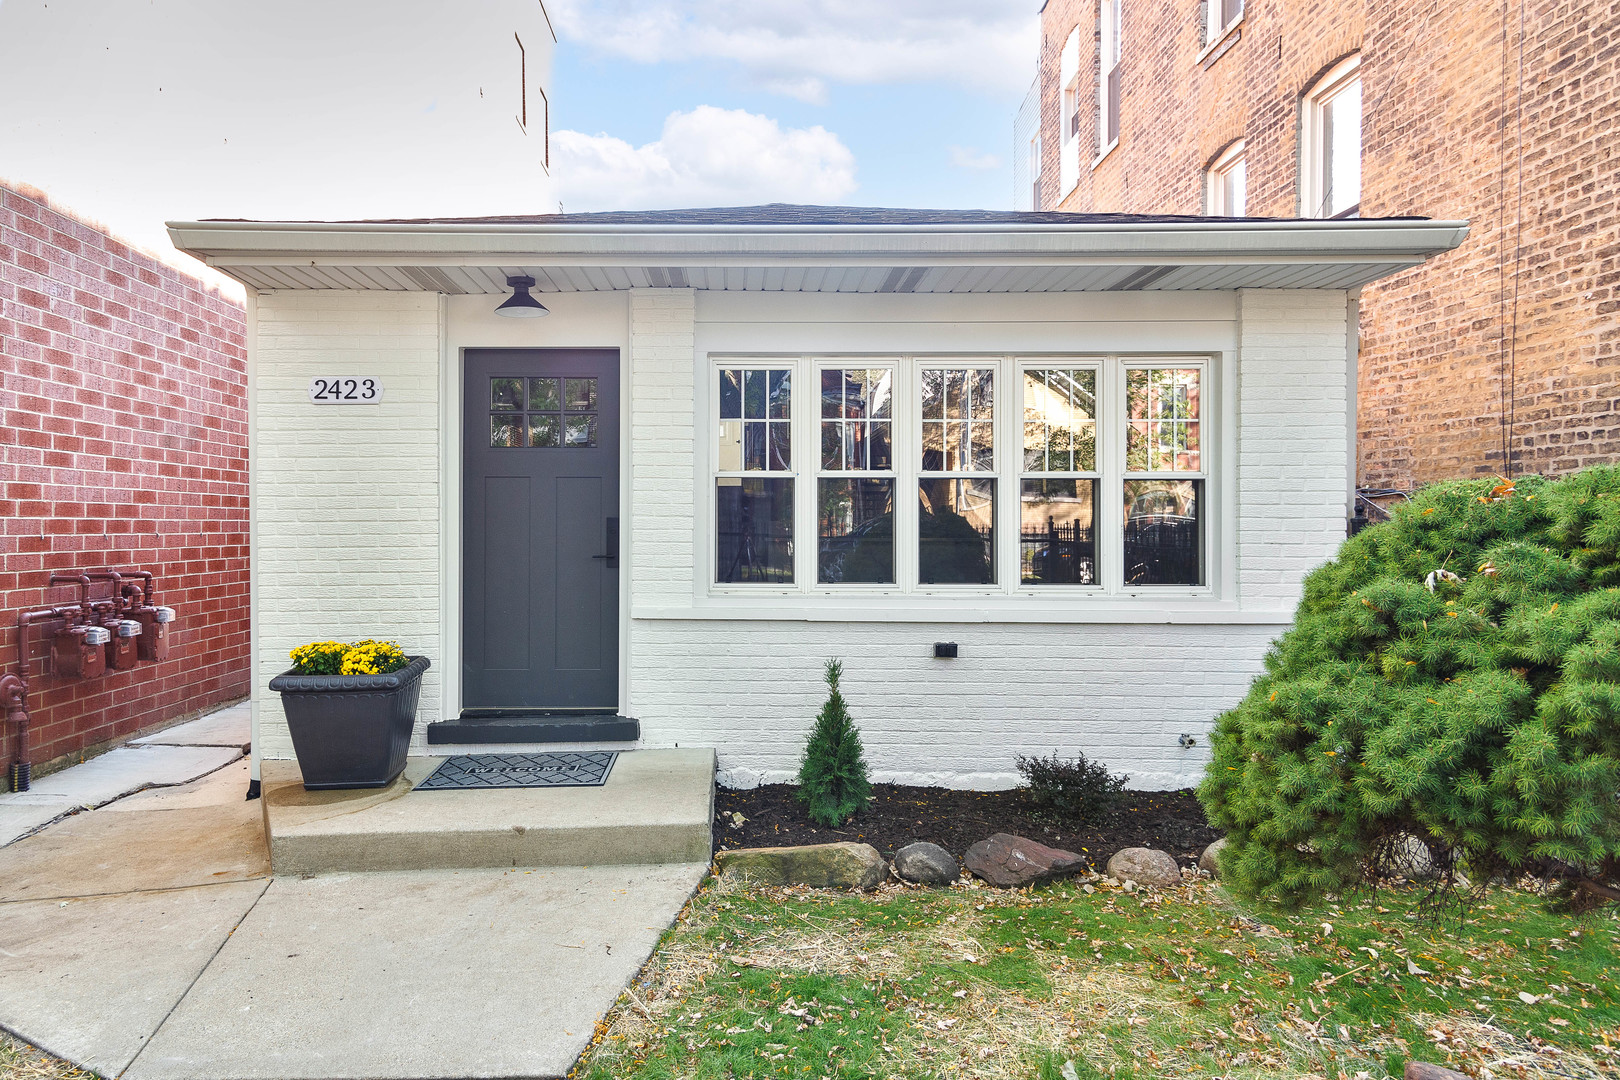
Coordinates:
column 251, row 343
column 1352, row 366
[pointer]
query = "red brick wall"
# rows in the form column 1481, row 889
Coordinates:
column 124, row 444
column 1447, row 373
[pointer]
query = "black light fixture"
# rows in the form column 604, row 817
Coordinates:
column 520, row 305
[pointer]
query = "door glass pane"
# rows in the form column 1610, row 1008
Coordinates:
column 956, row 532
column 506, row 429
column 545, row 431
column 544, row 395
column 754, row 520
column 1163, row 532
column 506, row 394
column 581, row 431
column 1058, row 540
column 581, row 395
column 855, row 531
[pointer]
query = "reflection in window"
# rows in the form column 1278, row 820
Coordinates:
column 1060, row 420
column 755, row 420
column 1162, row 413
column 1058, row 541
column 956, row 531
column 530, row 412
column 755, row 529
column 958, row 420
column 857, row 419
column 855, row 531
column 1164, row 532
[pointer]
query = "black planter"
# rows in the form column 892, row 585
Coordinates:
column 351, row 731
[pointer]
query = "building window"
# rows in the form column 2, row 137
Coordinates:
column 1164, row 476
column 956, row 486
column 1058, row 489
column 1109, row 73
column 1069, row 105
column 754, row 475
column 999, row 475
column 1330, row 144
column 1226, row 183
column 855, row 491
column 1219, row 17
column 1035, row 173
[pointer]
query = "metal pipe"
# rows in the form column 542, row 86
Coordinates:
column 149, row 583
column 83, row 582
column 14, row 696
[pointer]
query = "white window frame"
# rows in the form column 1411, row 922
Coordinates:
column 1313, row 149
column 1120, row 474
column 1110, row 58
column 1008, row 473
column 1226, row 162
column 1099, row 472
column 1216, row 25
column 796, row 423
column 808, row 498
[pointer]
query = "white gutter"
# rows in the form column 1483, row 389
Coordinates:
column 228, row 243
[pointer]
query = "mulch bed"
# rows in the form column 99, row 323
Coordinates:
column 1171, row 821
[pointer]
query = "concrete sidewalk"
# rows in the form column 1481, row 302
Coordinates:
column 146, row 938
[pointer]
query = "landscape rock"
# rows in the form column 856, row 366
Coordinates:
column 843, row 865
column 1210, row 860
column 1145, row 866
column 1013, row 861
column 1409, row 857
column 927, row 864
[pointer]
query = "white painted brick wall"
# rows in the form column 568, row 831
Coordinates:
column 662, row 323
column 1293, row 401
column 346, row 497
column 1121, row 693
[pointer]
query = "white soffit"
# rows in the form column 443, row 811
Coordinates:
column 1148, row 255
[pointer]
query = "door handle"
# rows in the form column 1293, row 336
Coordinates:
column 612, row 555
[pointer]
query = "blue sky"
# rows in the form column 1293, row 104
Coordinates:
column 133, row 112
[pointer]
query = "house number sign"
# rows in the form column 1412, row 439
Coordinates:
column 344, row 390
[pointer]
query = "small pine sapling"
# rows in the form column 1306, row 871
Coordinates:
column 832, row 777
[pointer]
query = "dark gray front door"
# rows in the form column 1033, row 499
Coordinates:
column 540, row 483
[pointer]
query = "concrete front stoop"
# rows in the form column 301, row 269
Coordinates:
column 656, row 807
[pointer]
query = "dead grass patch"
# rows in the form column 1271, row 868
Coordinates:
column 20, row 1061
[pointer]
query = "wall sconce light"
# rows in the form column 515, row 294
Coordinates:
column 520, row 305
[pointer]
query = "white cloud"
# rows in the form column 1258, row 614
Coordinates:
column 706, row 157
column 965, row 157
column 796, row 47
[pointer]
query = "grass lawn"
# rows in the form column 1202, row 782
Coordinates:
column 1062, row 983
column 19, row 1061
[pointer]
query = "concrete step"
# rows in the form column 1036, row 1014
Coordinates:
column 538, row 727
column 656, row 807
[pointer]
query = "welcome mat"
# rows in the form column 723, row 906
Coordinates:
column 588, row 768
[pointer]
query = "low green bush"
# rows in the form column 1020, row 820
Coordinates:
column 1073, row 789
column 1453, row 673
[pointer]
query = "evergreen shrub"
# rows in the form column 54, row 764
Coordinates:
column 1454, row 674
column 833, row 783
column 1075, row 789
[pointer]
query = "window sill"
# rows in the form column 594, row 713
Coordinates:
column 1175, row 606
column 1222, row 42
column 1109, row 149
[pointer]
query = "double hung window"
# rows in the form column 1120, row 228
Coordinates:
column 1219, row 17
column 1330, row 144
column 1226, row 183
column 1109, row 80
column 1058, row 476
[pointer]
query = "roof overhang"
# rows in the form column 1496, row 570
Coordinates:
column 1189, row 254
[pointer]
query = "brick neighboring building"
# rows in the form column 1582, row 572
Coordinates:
column 123, row 393
column 1508, row 341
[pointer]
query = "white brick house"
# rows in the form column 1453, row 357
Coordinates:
column 1096, row 452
